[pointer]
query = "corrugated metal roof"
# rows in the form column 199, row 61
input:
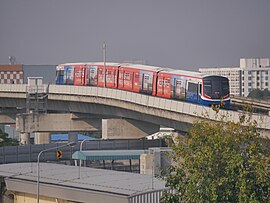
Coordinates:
column 106, row 181
column 108, row 154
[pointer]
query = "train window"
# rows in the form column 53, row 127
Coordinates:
column 59, row 73
column 207, row 84
column 200, row 88
column 167, row 83
column 225, row 87
column 192, row 87
column 127, row 76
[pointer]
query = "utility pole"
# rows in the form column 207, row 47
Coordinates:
column 104, row 60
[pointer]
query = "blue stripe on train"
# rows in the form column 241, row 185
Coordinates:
column 209, row 103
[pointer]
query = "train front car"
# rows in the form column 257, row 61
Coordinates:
column 59, row 78
column 215, row 92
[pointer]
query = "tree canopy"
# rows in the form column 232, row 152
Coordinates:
column 259, row 94
column 220, row 162
column 5, row 141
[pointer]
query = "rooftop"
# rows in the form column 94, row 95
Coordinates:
column 16, row 67
column 22, row 177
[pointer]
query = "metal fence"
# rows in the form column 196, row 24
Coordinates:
column 29, row 153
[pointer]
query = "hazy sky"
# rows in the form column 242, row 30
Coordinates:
column 173, row 33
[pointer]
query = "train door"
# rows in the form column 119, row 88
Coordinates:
column 146, row 82
column 100, row 76
column 79, row 75
column 92, row 75
column 192, row 92
column 115, row 74
column 136, row 81
column 111, row 76
column 127, row 80
column 68, row 75
column 199, row 92
column 160, row 86
column 59, row 75
column 121, row 79
column 177, row 88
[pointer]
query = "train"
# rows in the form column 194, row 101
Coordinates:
column 161, row 82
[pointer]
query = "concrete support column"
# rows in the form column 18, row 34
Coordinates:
column 42, row 138
column 126, row 129
column 24, row 138
column 72, row 137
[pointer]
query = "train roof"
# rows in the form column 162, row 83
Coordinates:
column 184, row 72
column 140, row 66
column 90, row 63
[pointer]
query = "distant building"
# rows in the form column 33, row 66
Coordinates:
column 18, row 73
column 253, row 73
column 60, row 183
column 11, row 74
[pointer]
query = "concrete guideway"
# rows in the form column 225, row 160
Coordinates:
column 154, row 106
column 113, row 102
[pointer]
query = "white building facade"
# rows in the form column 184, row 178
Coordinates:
column 253, row 73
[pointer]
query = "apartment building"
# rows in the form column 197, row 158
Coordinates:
column 255, row 74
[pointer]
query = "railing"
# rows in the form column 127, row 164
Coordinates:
column 29, row 153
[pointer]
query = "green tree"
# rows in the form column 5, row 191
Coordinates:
column 259, row 94
column 220, row 162
column 5, row 141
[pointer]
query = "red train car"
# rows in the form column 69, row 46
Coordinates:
column 164, row 85
column 111, row 74
column 138, row 78
column 92, row 74
column 176, row 83
column 80, row 75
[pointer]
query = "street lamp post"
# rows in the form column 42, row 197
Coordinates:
column 45, row 150
column 80, row 159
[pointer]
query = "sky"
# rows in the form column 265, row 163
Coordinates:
column 180, row 34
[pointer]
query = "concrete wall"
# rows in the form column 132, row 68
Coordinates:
column 126, row 129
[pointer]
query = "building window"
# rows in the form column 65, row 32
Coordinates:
column 266, row 77
column 258, row 84
column 249, row 77
column 258, row 72
column 249, row 84
column 258, row 78
column 266, row 83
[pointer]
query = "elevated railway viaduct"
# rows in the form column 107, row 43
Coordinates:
column 91, row 104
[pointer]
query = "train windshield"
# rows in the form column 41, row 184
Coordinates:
column 216, row 87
